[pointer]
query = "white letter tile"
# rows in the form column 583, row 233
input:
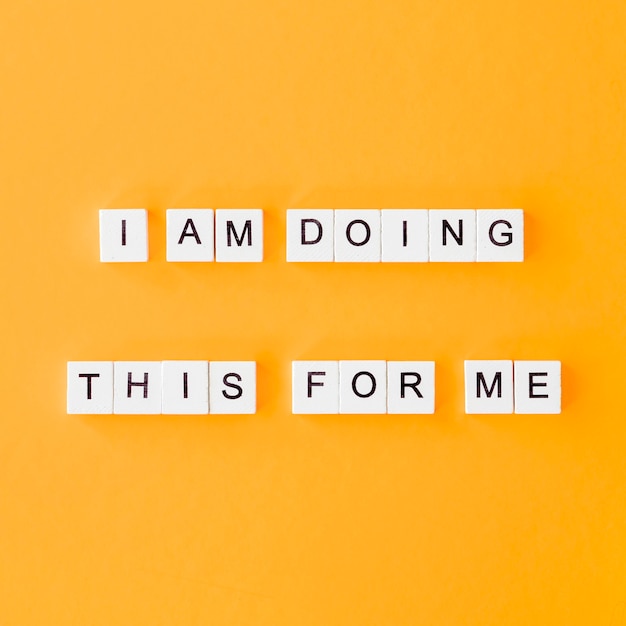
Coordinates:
column 538, row 387
column 500, row 235
column 89, row 387
column 310, row 235
column 123, row 235
column 137, row 387
column 362, row 387
column 185, row 387
column 190, row 235
column 405, row 235
column 357, row 235
column 410, row 387
column 239, row 235
column 452, row 235
column 315, row 387
column 232, row 387
column 489, row 387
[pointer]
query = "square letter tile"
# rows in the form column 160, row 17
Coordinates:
column 489, row 387
column 452, row 235
column 410, row 387
column 405, row 235
column 315, row 387
column 89, row 387
column 239, row 235
column 137, row 387
column 310, row 235
column 190, row 235
column 123, row 235
column 362, row 387
column 500, row 235
column 538, row 387
column 185, row 387
column 357, row 235
column 232, row 387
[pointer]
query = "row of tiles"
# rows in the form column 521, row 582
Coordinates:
column 318, row 387
column 322, row 235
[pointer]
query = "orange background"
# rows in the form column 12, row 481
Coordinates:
column 280, row 519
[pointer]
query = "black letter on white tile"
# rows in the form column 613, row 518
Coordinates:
column 508, row 236
column 311, row 383
column 532, row 384
column 458, row 238
column 404, row 384
column 131, row 384
column 230, row 230
column 239, row 391
column 497, row 381
column 373, row 381
column 320, row 231
column 368, row 232
column 194, row 233
column 89, row 377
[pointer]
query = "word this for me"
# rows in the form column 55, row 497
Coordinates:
column 322, row 235
column 318, row 387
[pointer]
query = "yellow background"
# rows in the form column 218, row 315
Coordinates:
column 280, row 519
